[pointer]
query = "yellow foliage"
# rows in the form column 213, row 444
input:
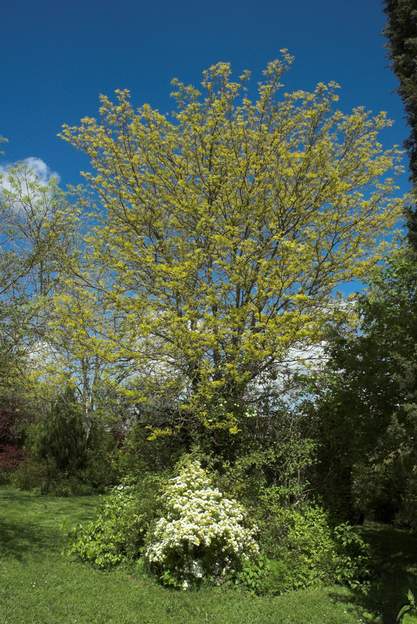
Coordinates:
column 226, row 227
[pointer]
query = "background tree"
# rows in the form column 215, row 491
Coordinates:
column 61, row 458
column 62, row 441
column 367, row 409
column 226, row 228
column 37, row 228
column 401, row 31
column 38, row 231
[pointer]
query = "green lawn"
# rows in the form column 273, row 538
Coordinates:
column 38, row 585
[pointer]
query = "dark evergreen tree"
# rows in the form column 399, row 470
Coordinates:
column 401, row 31
column 63, row 440
column 367, row 410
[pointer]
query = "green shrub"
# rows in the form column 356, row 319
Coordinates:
column 66, row 486
column 265, row 576
column 300, row 549
column 280, row 468
column 60, row 438
column 100, row 471
column 119, row 531
column 144, row 452
column 408, row 612
column 33, row 474
column 407, row 514
column 29, row 475
column 352, row 556
column 301, row 540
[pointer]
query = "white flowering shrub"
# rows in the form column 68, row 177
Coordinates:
column 202, row 535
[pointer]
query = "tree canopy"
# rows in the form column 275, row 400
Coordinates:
column 367, row 399
column 401, row 31
column 225, row 228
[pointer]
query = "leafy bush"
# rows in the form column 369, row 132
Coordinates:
column 302, row 542
column 300, row 549
column 33, row 474
column 143, row 451
column 60, row 439
column 264, row 576
column 202, row 535
column 29, row 475
column 352, row 556
column 11, row 451
column 100, row 471
column 408, row 612
column 282, row 465
column 119, row 531
column 407, row 515
column 11, row 457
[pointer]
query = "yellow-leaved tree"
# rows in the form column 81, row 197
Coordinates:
column 226, row 226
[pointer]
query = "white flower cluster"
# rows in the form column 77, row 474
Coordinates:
column 203, row 534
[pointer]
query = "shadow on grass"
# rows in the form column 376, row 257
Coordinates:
column 30, row 524
column 393, row 571
column 19, row 539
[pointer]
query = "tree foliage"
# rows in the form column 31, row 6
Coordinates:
column 60, row 438
column 367, row 410
column 35, row 230
column 401, row 31
column 226, row 227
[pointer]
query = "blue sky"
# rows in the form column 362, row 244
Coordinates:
column 58, row 56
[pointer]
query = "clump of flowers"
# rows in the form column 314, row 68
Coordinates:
column 202, row 535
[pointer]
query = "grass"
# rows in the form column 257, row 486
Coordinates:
column 39, row 585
